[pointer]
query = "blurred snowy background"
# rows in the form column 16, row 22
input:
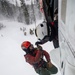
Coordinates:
column 20, row 10
column 18, row 19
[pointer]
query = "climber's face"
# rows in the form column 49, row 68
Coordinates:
column 31, row 47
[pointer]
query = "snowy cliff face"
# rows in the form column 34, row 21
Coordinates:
column 12, row 61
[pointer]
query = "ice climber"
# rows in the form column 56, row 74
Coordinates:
column 47, row 32
column 34, row 56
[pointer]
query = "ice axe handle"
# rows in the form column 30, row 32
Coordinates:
column 39, row 47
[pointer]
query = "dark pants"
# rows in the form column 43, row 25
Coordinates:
column 47, row 70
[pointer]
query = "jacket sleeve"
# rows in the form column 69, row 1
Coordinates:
column 31, row 59
column 37, row 57
column 47, row 56
column 43, row 40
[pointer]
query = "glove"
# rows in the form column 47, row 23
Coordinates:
column 39, row 47
column 53, row 69
column 36, row 43
column 49, row 64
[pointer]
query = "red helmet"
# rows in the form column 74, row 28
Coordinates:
column 25, row 44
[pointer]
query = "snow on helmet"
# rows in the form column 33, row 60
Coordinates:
column 41, row 31
column 25, row 45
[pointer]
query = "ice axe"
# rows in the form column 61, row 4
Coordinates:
column 39, row 47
